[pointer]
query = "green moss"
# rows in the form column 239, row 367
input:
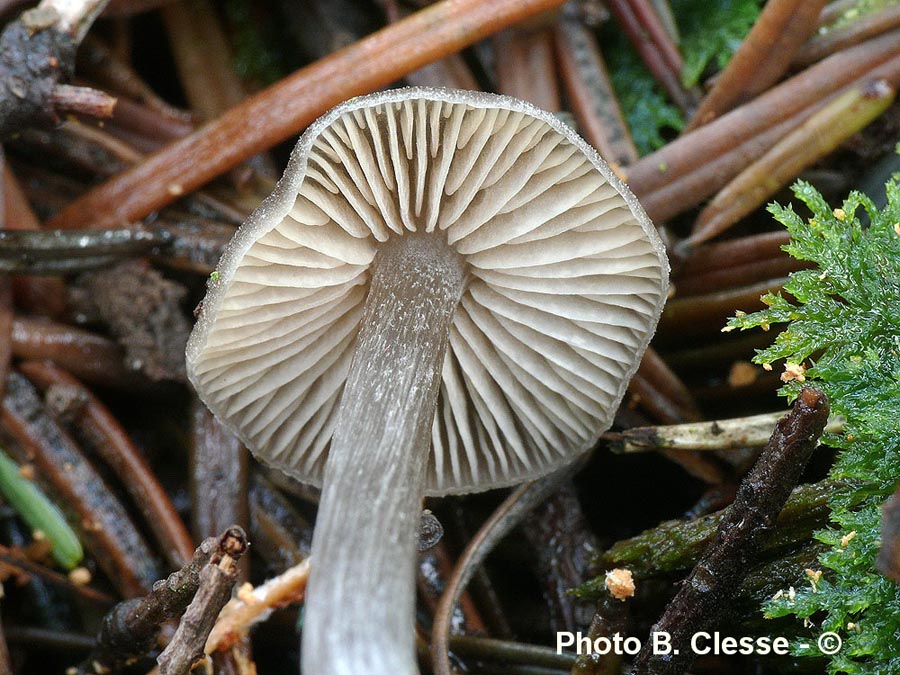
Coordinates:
column 844, row 324
column 711, row 31
column 649, row 114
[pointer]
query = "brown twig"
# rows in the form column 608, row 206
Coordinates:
column 763, row 57
column 714, row 171
column 11, row 558
column 290, row 105
column 658, row 374
column 131, row 628
column 66, row 98
column 101, row 519
column 754, row 248
column 737, row 275
column 100, row 429
column 86, row 355
column 708, row 590
column 707, row 313
column 450, row 71
column 203, row 59
column 217, row 578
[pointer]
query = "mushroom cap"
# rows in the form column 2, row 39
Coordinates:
column 566, row 281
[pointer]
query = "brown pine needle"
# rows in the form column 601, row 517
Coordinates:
column 816, row 138
column 288, row 106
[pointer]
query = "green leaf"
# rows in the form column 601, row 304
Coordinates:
column 39, row 513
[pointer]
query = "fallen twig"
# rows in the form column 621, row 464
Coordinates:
column 60, row 251
column 833, row 40
column 131, row 628
column 37, row 56
column 589, row 90
column 710, row 586
column 509, row 514
column 217, row 578
column 816, row 138
column 738, row 432
column 781, row 102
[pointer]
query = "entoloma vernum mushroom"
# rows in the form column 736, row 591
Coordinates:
column 447, row 291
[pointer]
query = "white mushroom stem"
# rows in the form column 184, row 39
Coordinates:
column 360, row 607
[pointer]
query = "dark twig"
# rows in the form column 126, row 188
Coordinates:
column 37, row 55
column 219, row 490
column 131, row 628
column 564, row 545
column 888, row 562
column 35, row 294
column 217, row 578
column 104, row 67
column 708, row 590
column 62, row 251
column 219, row 475
column 612, row 616
column 509, row 653
column 279, row 533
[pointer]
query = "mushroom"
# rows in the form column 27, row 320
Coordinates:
column 446, row 292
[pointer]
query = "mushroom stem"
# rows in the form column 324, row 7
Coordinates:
column 360, row 607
